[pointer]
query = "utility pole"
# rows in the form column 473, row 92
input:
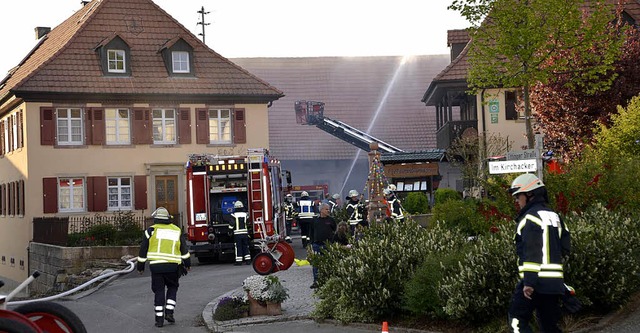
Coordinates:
column 202, row 14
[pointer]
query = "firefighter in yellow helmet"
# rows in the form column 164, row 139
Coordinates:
column 164, row 246
column 542, row 240
column 241, row 233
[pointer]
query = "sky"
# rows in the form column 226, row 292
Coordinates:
column 268, row 28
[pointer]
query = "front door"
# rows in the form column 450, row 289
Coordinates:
column 167, row 193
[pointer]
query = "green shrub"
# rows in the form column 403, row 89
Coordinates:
column 603, row 266
column 443, row 195
column 480, row 286
column 461, row 215
column 231, row 308
column 416, row 203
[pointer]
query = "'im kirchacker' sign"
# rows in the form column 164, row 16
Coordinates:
column 515, row 166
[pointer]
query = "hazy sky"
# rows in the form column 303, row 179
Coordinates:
column 268, row 28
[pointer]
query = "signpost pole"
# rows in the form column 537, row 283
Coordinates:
column 539, row 146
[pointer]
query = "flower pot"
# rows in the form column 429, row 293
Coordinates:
column 255, row 308
column 274, row 309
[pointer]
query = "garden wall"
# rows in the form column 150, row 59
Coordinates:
column 60, row 266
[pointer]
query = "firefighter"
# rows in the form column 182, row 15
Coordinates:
column 306, row 213
column 394, row 206
column 165, row 247
column 333, row 202
column 240, row 234
column 290, row 213
column 355, row 211
column 542, row 240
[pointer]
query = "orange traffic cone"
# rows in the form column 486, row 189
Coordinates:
column 385, row 327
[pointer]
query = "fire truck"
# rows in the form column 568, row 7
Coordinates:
column 214, row 184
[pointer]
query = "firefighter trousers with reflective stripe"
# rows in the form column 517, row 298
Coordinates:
column 521, row 309
column 165, row 288
column 305, row 228
column 242, row 247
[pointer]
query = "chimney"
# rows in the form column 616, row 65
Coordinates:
column 84, row 3
column 41, row 31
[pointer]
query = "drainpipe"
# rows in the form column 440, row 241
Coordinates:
column 484, row 129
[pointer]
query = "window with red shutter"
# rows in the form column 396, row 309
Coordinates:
column 184, row 126
column 98, row 126
column 96, row 194
column 142, row 126
column 202, row 126
column 47, row 126
column 140, row 191
column 50, row 195
column 239, row 126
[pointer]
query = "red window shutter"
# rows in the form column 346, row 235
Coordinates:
column 140, row 192
column 239, row 126
column 96, row 194
column 50, row 195
column 202, row 126
column 20, row 129
column 21, row 198
column 97, row 126
column 3, row 207
column 184, row 126
column 142, row 126
column 2, row 151
column 47, row 127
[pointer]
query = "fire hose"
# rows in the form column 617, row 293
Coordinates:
column 131, row 262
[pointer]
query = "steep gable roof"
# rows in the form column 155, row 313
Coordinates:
column 66, row 62
column 353, row 89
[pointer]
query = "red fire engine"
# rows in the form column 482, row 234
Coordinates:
column 214, row 184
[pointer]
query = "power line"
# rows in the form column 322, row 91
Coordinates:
column 202, row 14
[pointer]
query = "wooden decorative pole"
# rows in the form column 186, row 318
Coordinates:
column 375, row 184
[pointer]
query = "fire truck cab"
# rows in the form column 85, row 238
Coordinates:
column 214, row 184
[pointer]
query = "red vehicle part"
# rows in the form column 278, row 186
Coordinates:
column 263, row 263
column 52, row 317
column 14, row 322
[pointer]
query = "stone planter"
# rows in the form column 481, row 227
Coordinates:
column 274, row 309
column 255, row 308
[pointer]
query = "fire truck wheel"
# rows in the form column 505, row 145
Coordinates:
column 52, row 317
column 263, row 264
column 287, row 255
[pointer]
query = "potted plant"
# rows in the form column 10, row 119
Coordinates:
column 265, row 294
column 233, row 307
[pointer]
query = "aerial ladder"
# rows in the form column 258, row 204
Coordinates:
column 311, row 113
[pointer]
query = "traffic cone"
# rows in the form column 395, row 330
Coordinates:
column 385, row 327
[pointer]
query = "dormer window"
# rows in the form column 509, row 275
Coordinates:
column 115, row 56
column 116, row 61
column 178, row 57
column 180, row 61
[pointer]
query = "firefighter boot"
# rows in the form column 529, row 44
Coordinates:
column 159, row 321
column 169, row 317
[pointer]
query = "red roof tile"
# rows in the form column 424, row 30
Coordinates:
column 353, row 89
column 66, row 62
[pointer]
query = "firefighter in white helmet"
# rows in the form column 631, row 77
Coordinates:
column 290, row 214
column 165, row 247
column 306, row 212
column 333, row 202
column 394, row 206
column 241, row 233
column 542, row 240
column 355, row 211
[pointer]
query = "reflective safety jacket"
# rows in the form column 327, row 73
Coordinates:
column 396, row 209
column 332, row 205
column 355, row 211
column 306, row 209
column 240, row 227
column 164, row 245
column 290, row 211
column 542, row 239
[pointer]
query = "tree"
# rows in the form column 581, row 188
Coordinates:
column 568, row 115
column 470, row 155
column 517, row 38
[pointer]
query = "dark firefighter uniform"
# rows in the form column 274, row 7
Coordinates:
column 241, row 234
column 355, row 211
column 290, row 213
column 164, row 246
column 541, row 240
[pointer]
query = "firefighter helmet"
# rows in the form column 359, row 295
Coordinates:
column 304, row 194
column 336, row 196
column 161, row 213
column 289, row 195
column 238, row 204
column 386, row 191
column 353, row 193
column 525, row 183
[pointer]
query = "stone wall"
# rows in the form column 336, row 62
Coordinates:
column 63, row 267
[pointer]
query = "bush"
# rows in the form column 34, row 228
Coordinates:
column 461, row 215
column 366, row 283
column 416, row 203
column 231, row 308
column 603, row 265
column 120, row 229
column 443, row 195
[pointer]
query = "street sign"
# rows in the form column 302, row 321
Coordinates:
column 522, row 154
column 516, row 166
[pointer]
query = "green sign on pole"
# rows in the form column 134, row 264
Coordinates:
column 494, row 106
column 494, row 118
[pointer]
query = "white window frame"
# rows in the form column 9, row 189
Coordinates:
column 115, row 60
column 72, row 198
column 69, row 127
column 180, row 62
column 117, row 126
column 164, row 126
column 220, row 127
column 119, row 195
